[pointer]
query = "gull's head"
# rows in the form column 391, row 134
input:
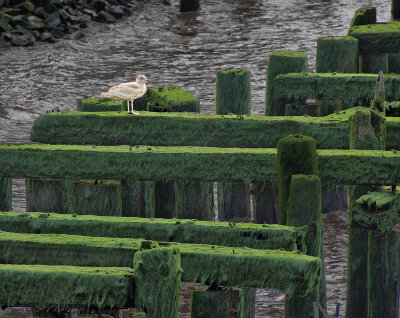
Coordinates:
column 142, row 79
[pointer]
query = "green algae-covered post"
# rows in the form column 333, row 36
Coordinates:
column 296, row 154
column 281, row 62
column 49, row 195
column 138, row 198
column 88, row 104
column 5, row 194
column 99, row 197
column 265, row 202
column 194, row 200
column 383, row 274
column 232, row 95
column 337, row 54
column 216, row 303
column 304, row 208
column 364, row 16
column 367, row 131
column 374, row 63
column 157, row 281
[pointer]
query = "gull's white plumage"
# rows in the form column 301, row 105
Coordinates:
column 128, row 91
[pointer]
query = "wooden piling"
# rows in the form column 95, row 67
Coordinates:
column 194, row 200
column 374, row 63
column 367, row 131
column 138, row 198
column 337, row 54
column 232, row 95
column 49, row 195
column 5, row 194
column 281, row 62
column 395, row 10
column 265, row 202
column 164, row 199
column 296, row 154
column 189, row 5
column 383, row 274
column 304, row 208
column 217, row 303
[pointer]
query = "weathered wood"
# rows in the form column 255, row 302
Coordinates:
column 265, row 202
column 5, row 194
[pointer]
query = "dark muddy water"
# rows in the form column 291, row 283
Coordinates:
column 185, row 50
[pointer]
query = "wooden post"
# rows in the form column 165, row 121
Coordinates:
column 304, row 208
column 374, row 63
column 194, row 200
column 45, row 195
column 395, row 10
column 337, row 54
column 367, row 131
column 281, row 62
column 165, row 200
column 5, row 194
column 265, row 202
column 217, row 303
column 138, row 198
column 98, row 197
column 296, row 154
column 383, row 274
column 189, row 5
column 232, row 95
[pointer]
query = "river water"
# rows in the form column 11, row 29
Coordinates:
column 187, row 49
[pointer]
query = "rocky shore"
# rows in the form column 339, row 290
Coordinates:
column 23, row 22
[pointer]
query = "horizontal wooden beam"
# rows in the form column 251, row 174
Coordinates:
column 189, row 164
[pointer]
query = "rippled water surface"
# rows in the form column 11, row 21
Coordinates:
column 185, row 50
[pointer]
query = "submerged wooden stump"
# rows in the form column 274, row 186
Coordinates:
column 5, row 194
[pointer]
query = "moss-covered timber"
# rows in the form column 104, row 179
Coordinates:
column 265, row 202
column 232, row 92
column 377, row 38
column 296, row 154
column 49, row 195
column 336, row 166
column 350, row 89
column 98, row 105
column 171, row 99
column 138, row 198
column 171, row 129
column 99, row 197
column 215, row 303
column 337, row 54
column 374, row 63
column 304, row 207
column 62, row 287
column 281, row 62
column 259, row 236
column 364, row 16
column 157, row 281
column 233, row 200
column 290, row 272
column 5, row 194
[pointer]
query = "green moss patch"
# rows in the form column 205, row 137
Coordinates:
column 259, row 236
column 62, row 287
column 377, row 38
column 171, row 99
column 98, row 105
column 364, row 16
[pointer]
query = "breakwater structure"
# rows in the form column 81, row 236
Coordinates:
column 160, row 165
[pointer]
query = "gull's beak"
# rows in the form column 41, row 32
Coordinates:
column 148, row 81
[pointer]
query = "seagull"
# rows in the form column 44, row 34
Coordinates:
column 128, row 91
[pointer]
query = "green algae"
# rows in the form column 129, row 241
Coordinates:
column 63, row 287
column 364, row 16
column 281, row 62
column 170, row 129
column 98, row 105
column 5, row 194
column 171, row 99
column 337, row 54
column 377, row 38
column 232, row 92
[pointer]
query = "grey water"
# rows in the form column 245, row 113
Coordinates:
column 184, row 49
